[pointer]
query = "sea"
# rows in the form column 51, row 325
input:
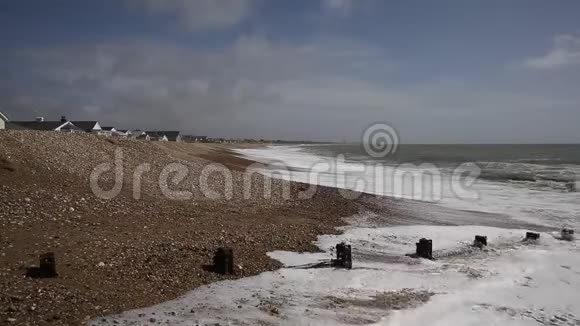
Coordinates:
column 534, row 183
column 446, row 193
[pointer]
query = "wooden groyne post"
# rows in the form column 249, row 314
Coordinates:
column 532, row 236
column 223, row 261
column 425, row 248
column 480, row 241
column 343, row 256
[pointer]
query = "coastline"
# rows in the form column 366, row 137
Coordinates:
column 128, row 261
column 510, row 280
column 121, row 254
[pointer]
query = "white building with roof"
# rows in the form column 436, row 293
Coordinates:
column 3, row 120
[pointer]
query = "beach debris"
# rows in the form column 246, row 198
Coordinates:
column 223, row 261
column 425, row 248
column 480, row 241
column 343, row 256
column 532, row 236
column 567, row 234
column 47, row 268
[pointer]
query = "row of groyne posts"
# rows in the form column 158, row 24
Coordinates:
column 223, row 259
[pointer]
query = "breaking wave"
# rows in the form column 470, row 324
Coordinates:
column 558, row 177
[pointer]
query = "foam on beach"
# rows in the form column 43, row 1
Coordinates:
column 509, row 283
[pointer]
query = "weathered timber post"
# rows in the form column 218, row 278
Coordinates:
column 532, row 236
column 223, row 261
column 480, row 241
column 425, row 248
column 343, row 256
column 47, row 265
column 568, row 234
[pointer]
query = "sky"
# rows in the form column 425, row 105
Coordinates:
column 443, row 71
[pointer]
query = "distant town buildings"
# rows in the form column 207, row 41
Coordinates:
column 41, row 124
column 194, row 139
column 94, row 127
column 124, row 133
column 143, row 136
column 87, row 126
column 108, row 131
column 164, row 135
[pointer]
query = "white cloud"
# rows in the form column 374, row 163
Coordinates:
column 564, row 52
column 200, row 14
